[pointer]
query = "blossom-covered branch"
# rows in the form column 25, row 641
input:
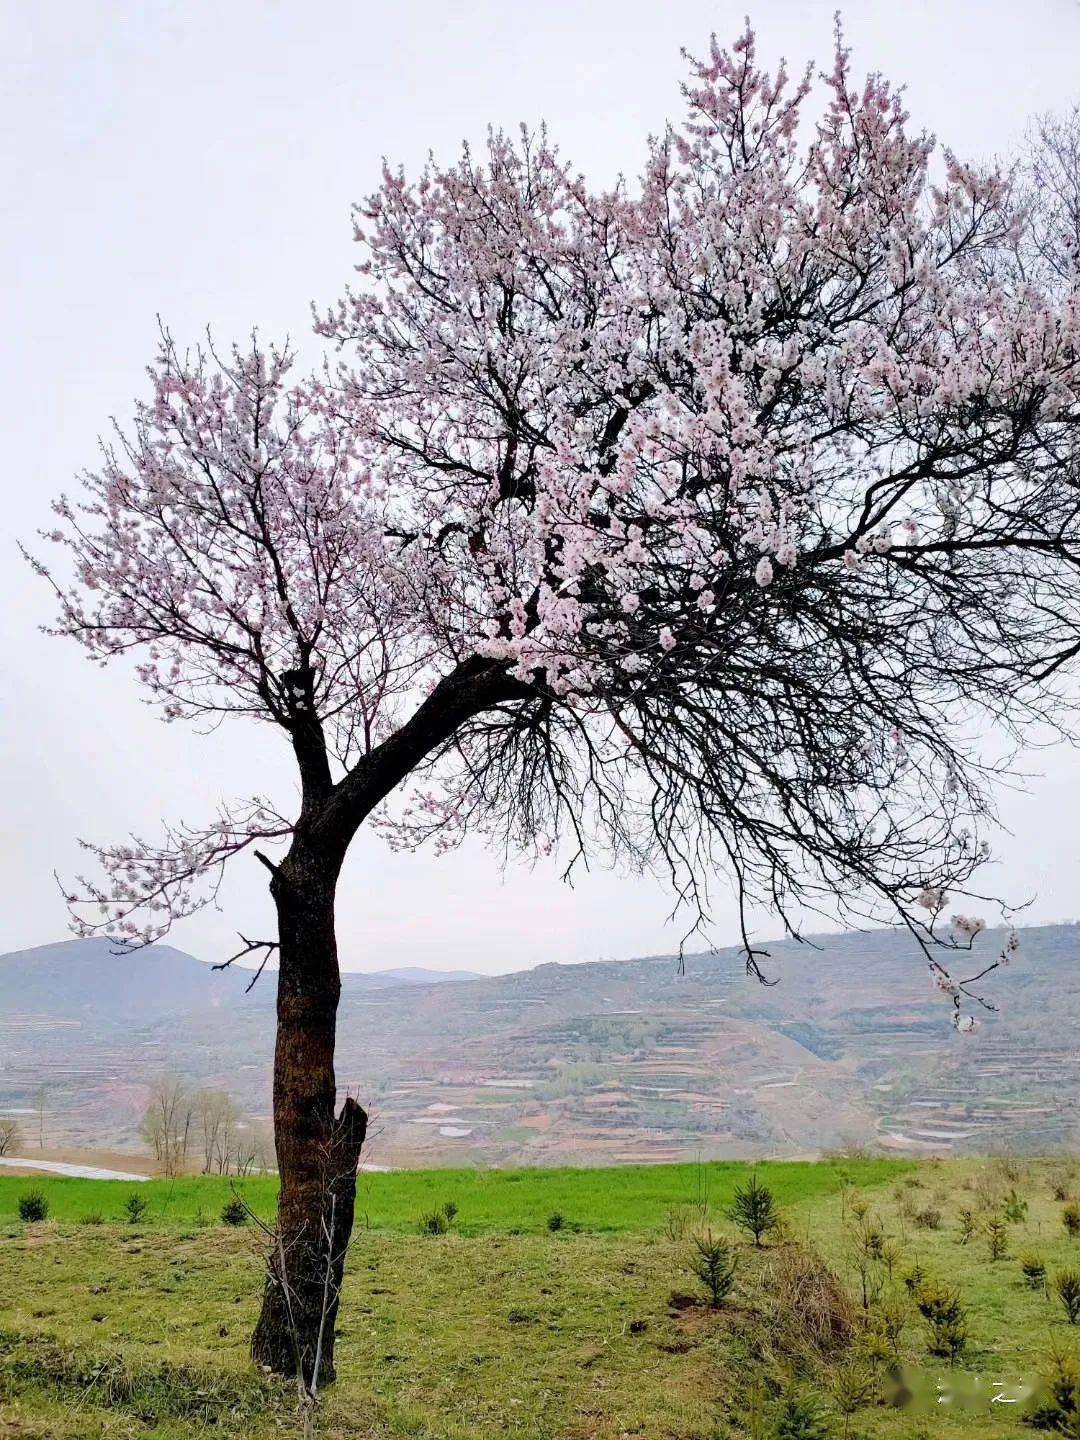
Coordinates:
column 150, row 884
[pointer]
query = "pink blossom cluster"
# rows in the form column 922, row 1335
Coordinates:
column 233, row 538
column 604, row 413
column 968, row 925
column 149, row 885
column 965, row 930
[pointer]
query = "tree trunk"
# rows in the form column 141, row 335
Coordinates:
column 318, row 1148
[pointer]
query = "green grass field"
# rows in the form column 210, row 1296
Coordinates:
column 503, row 1328
column 632, row 1198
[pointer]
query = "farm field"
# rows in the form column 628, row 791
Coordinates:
column 505, row 1327
column 632, row 1198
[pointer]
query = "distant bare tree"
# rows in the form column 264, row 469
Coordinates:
column 167, row 1124
column 231, row 1143
column 150, row 1130
column 41, row 1100
column 245, row 1152
column 264, row 1158
column 9, row 1134
column 217, row 1121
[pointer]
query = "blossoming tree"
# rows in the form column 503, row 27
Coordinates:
column 700, row 522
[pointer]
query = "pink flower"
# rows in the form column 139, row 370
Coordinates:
column 969, row 925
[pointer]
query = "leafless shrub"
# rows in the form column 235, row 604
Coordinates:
column 10, row 1135
column 681, row 1221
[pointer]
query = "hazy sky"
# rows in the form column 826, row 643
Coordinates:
column 198, row 160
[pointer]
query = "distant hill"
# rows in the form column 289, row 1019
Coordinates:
column 95, row 980
column 616, row 1060
column 102, row 981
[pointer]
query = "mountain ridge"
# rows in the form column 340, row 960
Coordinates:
column 140, row 983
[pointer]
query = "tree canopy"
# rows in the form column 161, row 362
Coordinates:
column 704, row 521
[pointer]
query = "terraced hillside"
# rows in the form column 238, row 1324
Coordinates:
column 609, row 1062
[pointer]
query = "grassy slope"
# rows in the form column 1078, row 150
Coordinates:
column 484, row 1333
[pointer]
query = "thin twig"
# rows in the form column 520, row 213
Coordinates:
column 250, row 946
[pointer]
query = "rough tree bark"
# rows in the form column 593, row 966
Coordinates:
column 318, row 1147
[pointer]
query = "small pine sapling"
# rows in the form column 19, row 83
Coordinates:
column 754, row 1210
column 135, row 1207
column 799, row 1417
column 997, row 1239
column 1015, row 1209
column 946, row 1321
column 1067, row 1289
column 33, row 1207
column 1034, row 1269
column 966, row 1225
column 234, row 1212
column 713, row 1264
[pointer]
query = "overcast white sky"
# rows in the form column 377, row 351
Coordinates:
column 198, row 160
